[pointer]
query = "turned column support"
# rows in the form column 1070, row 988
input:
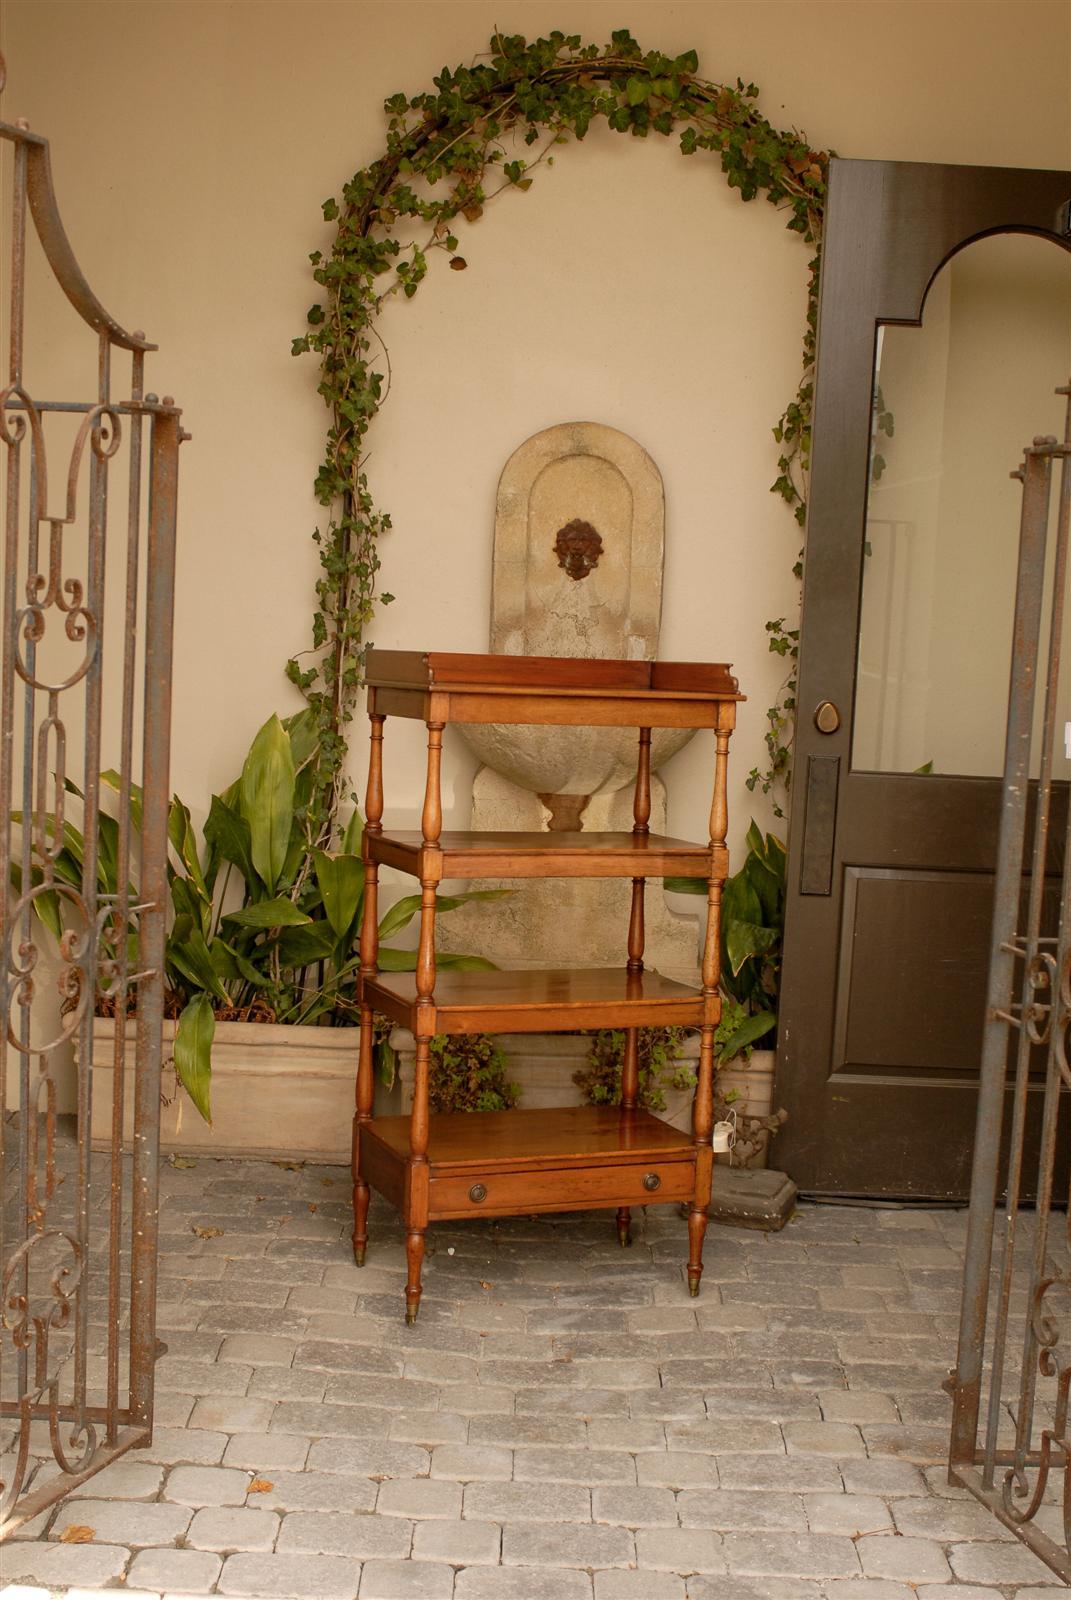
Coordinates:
column 369, row 955
column 630, row 1066
column 417, row 1176
column 703, row 1105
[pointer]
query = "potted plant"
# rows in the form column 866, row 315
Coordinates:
column 260, row 962
column 752, row 934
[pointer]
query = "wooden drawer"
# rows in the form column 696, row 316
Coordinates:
column 574, row 1188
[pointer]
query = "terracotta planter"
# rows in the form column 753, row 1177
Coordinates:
column 276, row 1091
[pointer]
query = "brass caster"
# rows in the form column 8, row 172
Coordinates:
column 359, row 1251
column 410, row 1315
column 624, row 1237
column 693, row 1288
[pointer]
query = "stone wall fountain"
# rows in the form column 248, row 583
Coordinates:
column 579, row 536
column 578, row 552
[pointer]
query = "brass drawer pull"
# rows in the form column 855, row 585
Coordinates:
column 652, row 1181
column 477, row 1193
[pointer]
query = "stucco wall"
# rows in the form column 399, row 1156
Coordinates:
column 192, row 146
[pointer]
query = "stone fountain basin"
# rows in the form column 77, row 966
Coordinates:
column 560, row 760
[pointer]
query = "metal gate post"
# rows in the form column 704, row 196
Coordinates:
column 159, row 612
column 1040, row 1015
column 1036, row 474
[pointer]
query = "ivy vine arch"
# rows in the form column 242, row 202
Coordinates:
column 450, row 151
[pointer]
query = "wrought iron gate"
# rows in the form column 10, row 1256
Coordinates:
column 84, row 887
column 1010, row 1441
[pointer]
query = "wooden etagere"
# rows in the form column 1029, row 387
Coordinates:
column 499, row 1164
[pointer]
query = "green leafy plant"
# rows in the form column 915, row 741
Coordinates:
column 450, row 152
column 468, row 1072
column 660, row 1067
column 265, row 925
column 752, row 934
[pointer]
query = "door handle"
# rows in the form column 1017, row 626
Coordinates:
column 826, row 717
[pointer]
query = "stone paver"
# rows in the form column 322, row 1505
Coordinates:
column 563, row 1423
column 791, row 1555
column 541, row 1544
column 681, row 1550
column 853, row 1514
column 471, row 1464
column 463, row 1544
column 129, row 1522
column 282, row 1577
column 233, row 1528
column 419, row 1498
column 207, row 1486
column 336, row 1533
column 911, row 1560
column 126, row 1479
column 642, row 1585
column 406, row 1580
column 521, row 1583
column 187, row 1571
column 267, row 1452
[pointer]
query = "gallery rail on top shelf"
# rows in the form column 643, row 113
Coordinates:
column 499, row 1164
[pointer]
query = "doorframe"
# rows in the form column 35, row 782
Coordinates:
column 890, row 228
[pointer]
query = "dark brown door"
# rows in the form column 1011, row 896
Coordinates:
column 946, row 309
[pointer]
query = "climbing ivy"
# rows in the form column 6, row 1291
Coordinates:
column 450, row 152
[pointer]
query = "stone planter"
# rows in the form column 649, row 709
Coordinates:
column 543, row 1064
column 276, row 1091
column 751, row 1085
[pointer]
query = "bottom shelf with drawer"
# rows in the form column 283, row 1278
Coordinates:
column 505, row 1162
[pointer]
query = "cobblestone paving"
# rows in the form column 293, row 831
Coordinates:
column 563, row 1423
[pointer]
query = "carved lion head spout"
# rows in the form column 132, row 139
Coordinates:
column 578, row 548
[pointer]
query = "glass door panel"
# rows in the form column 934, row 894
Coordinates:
column 955, row 401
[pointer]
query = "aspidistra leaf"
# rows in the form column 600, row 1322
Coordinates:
column 193, row 1052
column 267, row 799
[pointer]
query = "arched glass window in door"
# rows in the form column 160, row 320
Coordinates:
column 955, row 400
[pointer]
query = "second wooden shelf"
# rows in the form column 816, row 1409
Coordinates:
column 545, row 855
column 539, row 1000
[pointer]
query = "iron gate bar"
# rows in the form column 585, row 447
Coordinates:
column 1041, row 1016
column 100, row 930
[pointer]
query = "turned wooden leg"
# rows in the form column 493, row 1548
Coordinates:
column 362, row 1116
column 362, row 1194
column 703, row 1126
column 414, row 1255
column 365, row 1077
column 624, row 1227
column 416, row 1198
column 697, row 1227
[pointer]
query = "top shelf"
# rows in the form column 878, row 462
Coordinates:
column 439, row 669
column 441, row 686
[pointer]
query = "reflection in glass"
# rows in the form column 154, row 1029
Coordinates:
column 955, row 401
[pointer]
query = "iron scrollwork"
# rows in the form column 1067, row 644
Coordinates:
column 56, row 921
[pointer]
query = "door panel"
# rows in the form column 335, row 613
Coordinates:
column 892, row 1012
column 890, row 871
